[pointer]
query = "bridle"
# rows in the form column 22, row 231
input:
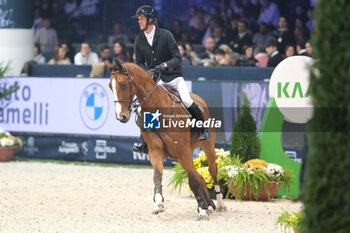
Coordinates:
column 132, row 103
column 124, row 71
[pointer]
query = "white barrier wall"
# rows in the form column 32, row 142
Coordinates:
column 16, row 47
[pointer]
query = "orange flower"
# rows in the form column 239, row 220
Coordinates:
column 255, row 164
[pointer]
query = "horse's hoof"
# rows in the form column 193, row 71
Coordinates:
column 220, row 204
column 158, row 209
column 203, row 218
column 210, row 210
column 203, row 215
column 221, row 209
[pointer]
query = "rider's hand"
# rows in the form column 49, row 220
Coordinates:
column 151, row 72
column 154, row 74
column 161, row 67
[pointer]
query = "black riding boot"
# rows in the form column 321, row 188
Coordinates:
column 140, row 146
column 197, row 114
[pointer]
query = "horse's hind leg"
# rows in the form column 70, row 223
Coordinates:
column 209, row 150
column 157, row 160
column 198, row 186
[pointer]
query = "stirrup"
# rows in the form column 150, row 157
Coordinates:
column 140, row 147
column 203, row 135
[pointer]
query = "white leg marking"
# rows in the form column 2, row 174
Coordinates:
column 220, row 204
column 118, row 107
column 203, row 214
column 158, row 205
column 158, row 198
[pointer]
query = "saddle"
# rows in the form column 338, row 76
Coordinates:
column 172, row 92
column 175, row 96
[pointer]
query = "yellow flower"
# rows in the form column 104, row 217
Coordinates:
column 204, row 171
column 219, row 163
column 197, row 163
column 222, row 157
column 255, row 164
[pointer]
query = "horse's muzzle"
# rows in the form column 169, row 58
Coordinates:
column 123, row 118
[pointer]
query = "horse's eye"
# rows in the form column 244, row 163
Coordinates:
column 123, row 84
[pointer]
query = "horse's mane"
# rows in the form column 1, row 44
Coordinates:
column 137, row 70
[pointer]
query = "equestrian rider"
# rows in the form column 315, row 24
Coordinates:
column 156, row 52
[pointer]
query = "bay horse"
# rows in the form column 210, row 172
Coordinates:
column 129, row 80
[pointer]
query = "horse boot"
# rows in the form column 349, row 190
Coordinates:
column 140, row 146
column 197, row 114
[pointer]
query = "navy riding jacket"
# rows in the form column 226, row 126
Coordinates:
column 163, row 49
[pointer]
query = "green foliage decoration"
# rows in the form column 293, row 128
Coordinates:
column 326, row 188
column 5, row 89
column 290, row 220
column 245, row 141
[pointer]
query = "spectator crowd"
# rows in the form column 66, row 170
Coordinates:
column 229, row 33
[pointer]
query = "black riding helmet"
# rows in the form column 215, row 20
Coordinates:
column 148, row 12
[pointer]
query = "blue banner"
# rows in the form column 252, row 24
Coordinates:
column 109, row 150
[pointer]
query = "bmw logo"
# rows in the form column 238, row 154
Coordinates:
column 94, row 106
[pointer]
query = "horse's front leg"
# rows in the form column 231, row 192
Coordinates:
column 157, row 160
column 198, row 187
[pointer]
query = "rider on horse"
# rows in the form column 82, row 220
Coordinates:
column 156, row 52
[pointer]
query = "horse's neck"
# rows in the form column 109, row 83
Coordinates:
column 155, row 99
column 144, row 86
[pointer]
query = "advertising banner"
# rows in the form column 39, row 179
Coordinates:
column 64, row 106
column 94, row 149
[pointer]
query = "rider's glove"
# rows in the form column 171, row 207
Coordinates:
column 151, row 72
column 161, row 67
column 155, row 72
column 157, row 69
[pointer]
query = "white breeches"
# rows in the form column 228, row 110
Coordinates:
column 179, row 84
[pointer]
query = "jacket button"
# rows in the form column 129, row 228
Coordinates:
column 155, row 59
column 152, row 51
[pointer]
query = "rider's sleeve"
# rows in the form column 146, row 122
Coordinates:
column 175, row 53
column 140, row 60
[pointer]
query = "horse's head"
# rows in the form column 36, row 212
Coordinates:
column 121, row 84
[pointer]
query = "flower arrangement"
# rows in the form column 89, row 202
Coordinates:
column 290, row 220
column 253, row 176
column 9, row 144
column 201, row 164
column 8, row 140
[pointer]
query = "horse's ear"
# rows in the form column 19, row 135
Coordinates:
column 117, row 65
column 108, row 65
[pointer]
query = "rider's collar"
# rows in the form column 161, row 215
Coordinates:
column 150, row 36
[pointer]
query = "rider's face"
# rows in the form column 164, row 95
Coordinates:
column 142, row 20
